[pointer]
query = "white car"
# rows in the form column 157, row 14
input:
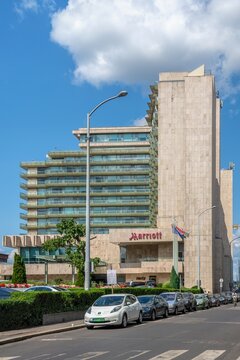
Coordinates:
column 114, row 309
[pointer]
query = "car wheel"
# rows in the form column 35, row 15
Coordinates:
column 166, row 314
column 176, row 311
column 124, row 321
column 89, row 327
column 140, row 318
column 153, row 316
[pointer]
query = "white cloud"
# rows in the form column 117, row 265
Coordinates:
column 140, row 122
column 131, row 41
column 26, row 5
column 35, row 6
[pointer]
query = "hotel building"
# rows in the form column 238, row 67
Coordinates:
column 142, row 180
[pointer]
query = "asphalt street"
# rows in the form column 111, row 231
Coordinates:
column 202, row 335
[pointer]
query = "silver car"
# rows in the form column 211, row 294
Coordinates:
column 175, row 301
column 114, row 309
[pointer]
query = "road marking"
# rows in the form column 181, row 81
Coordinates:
column 57, row 339
column 171, row 354
column 56, row 356
column 9, row 358
column 136, row 352
column 37, row 357
column 209, row 355
column 91, row 355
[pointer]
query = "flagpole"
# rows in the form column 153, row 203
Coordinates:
column 175, row 248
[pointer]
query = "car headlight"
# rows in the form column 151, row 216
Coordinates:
column 89, row 310
column 146, row 308
column 117, row 308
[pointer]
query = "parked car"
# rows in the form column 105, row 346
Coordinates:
column 214, row 300
column 114, row 309
column 45, row 288
column 223, row 300
column 175, row 302
column 229, row 297
column 151, row 283
column 5, row 293
column 153, row 306
column 202, row 301
column 190, row 301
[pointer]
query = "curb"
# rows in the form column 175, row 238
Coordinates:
column 40, row 333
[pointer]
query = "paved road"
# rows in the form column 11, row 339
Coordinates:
column 202, row 335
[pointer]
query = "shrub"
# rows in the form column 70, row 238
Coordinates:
column 19, row 270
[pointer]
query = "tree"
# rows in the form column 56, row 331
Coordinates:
column 19, row 270
column 70, row 238
column 174, row 279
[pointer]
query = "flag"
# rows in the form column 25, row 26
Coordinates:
column 180, row 232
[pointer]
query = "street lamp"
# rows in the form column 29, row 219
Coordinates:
column 198, row 245
column 87, row 248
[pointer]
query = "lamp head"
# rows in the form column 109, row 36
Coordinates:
column 122, row 93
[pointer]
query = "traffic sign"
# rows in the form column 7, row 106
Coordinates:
column 111, row 277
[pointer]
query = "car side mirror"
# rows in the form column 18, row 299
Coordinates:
column 128, row 303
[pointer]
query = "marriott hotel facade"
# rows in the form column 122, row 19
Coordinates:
column 142, row 180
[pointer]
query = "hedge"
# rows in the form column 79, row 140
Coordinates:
column 26, row 309
column 23, row 310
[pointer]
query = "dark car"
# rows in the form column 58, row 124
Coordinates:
column 153, row 306
column 223, row 300
column 175, row 302
column 214, row 300
column 229, row 297
column 5, row 293
column 190, row 301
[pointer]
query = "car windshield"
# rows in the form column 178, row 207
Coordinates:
column 109, row 301
column 145, row 299
column 168, row 297
column 185, row 295
column 199, row 296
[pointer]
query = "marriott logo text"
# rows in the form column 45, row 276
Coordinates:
column 145, row 236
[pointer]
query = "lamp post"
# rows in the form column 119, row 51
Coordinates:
column 87, row 249
column 198, row 245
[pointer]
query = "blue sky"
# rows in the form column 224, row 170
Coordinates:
column 59, row 58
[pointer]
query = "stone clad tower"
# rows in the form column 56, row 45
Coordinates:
column 189, row 172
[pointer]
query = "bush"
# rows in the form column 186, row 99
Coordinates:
column 26, row 309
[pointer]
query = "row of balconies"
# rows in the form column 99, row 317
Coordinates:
column 83, row 194
column 34, row 205
column 96, row 225
column 82, row 213
column 67, row 183
column 28, row 175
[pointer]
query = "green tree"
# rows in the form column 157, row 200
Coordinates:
column 70, row 238
column 174, row 279
column 19, row 270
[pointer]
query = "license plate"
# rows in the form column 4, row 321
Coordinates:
column 98, row 320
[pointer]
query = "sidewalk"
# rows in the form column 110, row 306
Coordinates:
column 22, row 334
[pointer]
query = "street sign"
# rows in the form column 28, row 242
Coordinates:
column 111, row 277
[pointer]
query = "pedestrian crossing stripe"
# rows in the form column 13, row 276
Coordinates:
column 171, row 354
column 209, row 355
column 91, row 355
